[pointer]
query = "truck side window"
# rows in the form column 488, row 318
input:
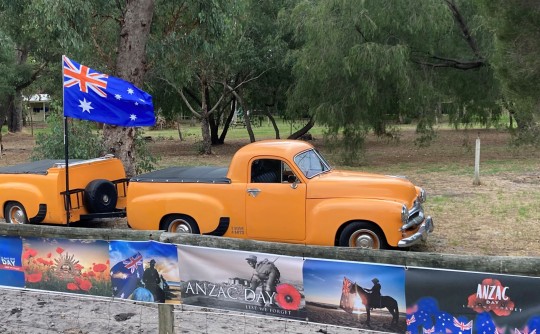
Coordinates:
column 266, row 171
column 287, row 174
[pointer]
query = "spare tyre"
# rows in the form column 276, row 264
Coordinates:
column 100, row 196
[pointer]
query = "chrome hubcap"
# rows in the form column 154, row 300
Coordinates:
column 17, row 215
column 364, row 239
column 180, row 226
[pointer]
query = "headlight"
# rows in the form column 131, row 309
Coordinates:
column 422, row 196
column 404, row 215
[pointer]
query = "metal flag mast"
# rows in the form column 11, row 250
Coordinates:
column 67, row 198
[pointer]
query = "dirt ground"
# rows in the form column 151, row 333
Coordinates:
column 498, row 217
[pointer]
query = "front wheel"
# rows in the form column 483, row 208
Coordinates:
column 180, row 224
column 362, row 235
column 14, row 213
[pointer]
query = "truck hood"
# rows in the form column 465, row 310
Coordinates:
column 348, row 184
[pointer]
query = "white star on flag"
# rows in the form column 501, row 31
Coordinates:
column 132, row 117
column 118, row 96
column 85, row 105
column 130, row 91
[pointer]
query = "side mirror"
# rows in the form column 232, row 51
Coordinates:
column 293, row 180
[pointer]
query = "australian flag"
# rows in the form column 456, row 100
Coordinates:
column 98, row 97
column 126, row 275
column 347, row 300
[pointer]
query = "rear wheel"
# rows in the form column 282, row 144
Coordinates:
column 14, row 213
column 180, row 224
column 100, row 196
column 362, row 235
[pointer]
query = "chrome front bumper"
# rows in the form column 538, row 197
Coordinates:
column 421, row 235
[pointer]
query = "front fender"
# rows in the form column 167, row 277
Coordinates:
column 326, row 217
column 146, row 211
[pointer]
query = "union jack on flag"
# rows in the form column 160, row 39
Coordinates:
column 98, row 97
column 462, row 326
column 133, row 262
column 126, row 275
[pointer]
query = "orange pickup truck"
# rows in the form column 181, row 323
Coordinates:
column 284, row 191
column 35, row 192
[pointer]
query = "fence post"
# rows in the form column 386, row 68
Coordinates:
column 476, row 181
column 166, row 319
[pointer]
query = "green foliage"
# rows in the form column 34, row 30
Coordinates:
column 359, row 64
column 84, row 141
column 145, row 161
column 516, row 62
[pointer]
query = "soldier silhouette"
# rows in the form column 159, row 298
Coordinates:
column 375, row 294
column 151, row 279
column 266, row 275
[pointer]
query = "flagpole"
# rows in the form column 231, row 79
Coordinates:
column 67, row 199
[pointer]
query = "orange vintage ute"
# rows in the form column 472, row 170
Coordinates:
column 35, row 192
column 284, row 191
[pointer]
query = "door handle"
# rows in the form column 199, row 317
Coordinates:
column 253, row 192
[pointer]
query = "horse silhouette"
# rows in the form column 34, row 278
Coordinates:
column 386, row 302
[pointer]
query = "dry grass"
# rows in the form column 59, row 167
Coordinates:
column 499, row 217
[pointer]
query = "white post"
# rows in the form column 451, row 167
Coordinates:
column 476, row 181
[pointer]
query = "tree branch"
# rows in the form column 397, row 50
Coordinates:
column 179, row 91
column 462, row 25
column 33, row 77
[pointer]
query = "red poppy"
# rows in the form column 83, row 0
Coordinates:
column 72, row 287
column 59, row 250
column 78, row 266
column 77, row 279
column 43, row 261
column 100, row 267
column 91, row 273
column 287, row 297
column 85, row 285
column 34, row 278
column 28, row 253
column 49, row 255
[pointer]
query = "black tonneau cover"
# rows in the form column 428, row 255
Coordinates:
column 185, row 175
column 35, row 167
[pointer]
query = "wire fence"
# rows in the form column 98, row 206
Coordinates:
column 30, row 311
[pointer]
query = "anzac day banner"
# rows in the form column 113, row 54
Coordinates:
column 352, row 294
column 65, row 265
column 384, row 298
column 145, row 271
column 444, row 301
column 11, row 270
column 242, row 281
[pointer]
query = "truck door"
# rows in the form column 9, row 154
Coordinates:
column 275, row 202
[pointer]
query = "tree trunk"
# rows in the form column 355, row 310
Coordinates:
column 15, row 109
column 206, row 147
column 246, row 116
column 303, row 130
column 271, row 118
column 15, row 121
column 227, row 123
column 130, row 66
column 213, row 121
